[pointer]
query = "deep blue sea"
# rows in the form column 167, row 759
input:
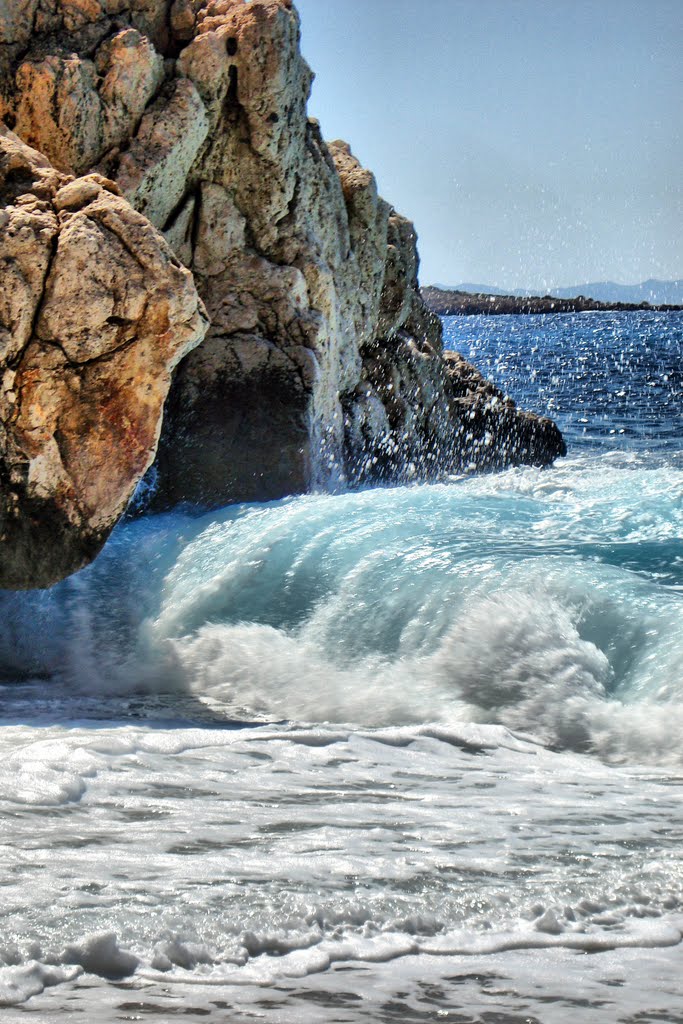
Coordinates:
column 405, row 754
column 610, row 380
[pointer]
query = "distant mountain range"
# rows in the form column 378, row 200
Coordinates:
column 655, row 292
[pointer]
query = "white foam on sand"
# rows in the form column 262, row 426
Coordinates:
column 466, row 779
column 245, row 859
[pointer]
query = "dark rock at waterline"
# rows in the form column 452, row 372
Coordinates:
column 466, row 423
column 497, row 433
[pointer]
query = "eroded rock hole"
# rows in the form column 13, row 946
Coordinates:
column 231, row 97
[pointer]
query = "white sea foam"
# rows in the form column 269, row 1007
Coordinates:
column 214, row 858
column 434, row 670
column 544, row 600
column 19, row 983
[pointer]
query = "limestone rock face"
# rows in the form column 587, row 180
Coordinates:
column 95, row 312
column 321, row 363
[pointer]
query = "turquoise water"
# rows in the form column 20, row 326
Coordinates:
column 506, row 595
column 541, row 599
column 404, row 751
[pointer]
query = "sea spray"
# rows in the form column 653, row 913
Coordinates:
column 544, row 600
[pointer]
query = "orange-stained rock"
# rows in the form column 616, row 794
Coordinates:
column 95, row 312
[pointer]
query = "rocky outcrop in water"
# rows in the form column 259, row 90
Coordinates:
column 321, row 363
column 95, row 312
column 451, row 302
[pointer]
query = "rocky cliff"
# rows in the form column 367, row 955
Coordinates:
column 321, row 363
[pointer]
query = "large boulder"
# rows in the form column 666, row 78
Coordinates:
column 95, row 312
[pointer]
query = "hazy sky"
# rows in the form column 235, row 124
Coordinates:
column 535, row 143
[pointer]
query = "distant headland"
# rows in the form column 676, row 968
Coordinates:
column 463, row 302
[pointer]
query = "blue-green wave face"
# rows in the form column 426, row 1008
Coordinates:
column 549, row 601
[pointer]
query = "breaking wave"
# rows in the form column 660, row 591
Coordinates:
column 547, row 601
